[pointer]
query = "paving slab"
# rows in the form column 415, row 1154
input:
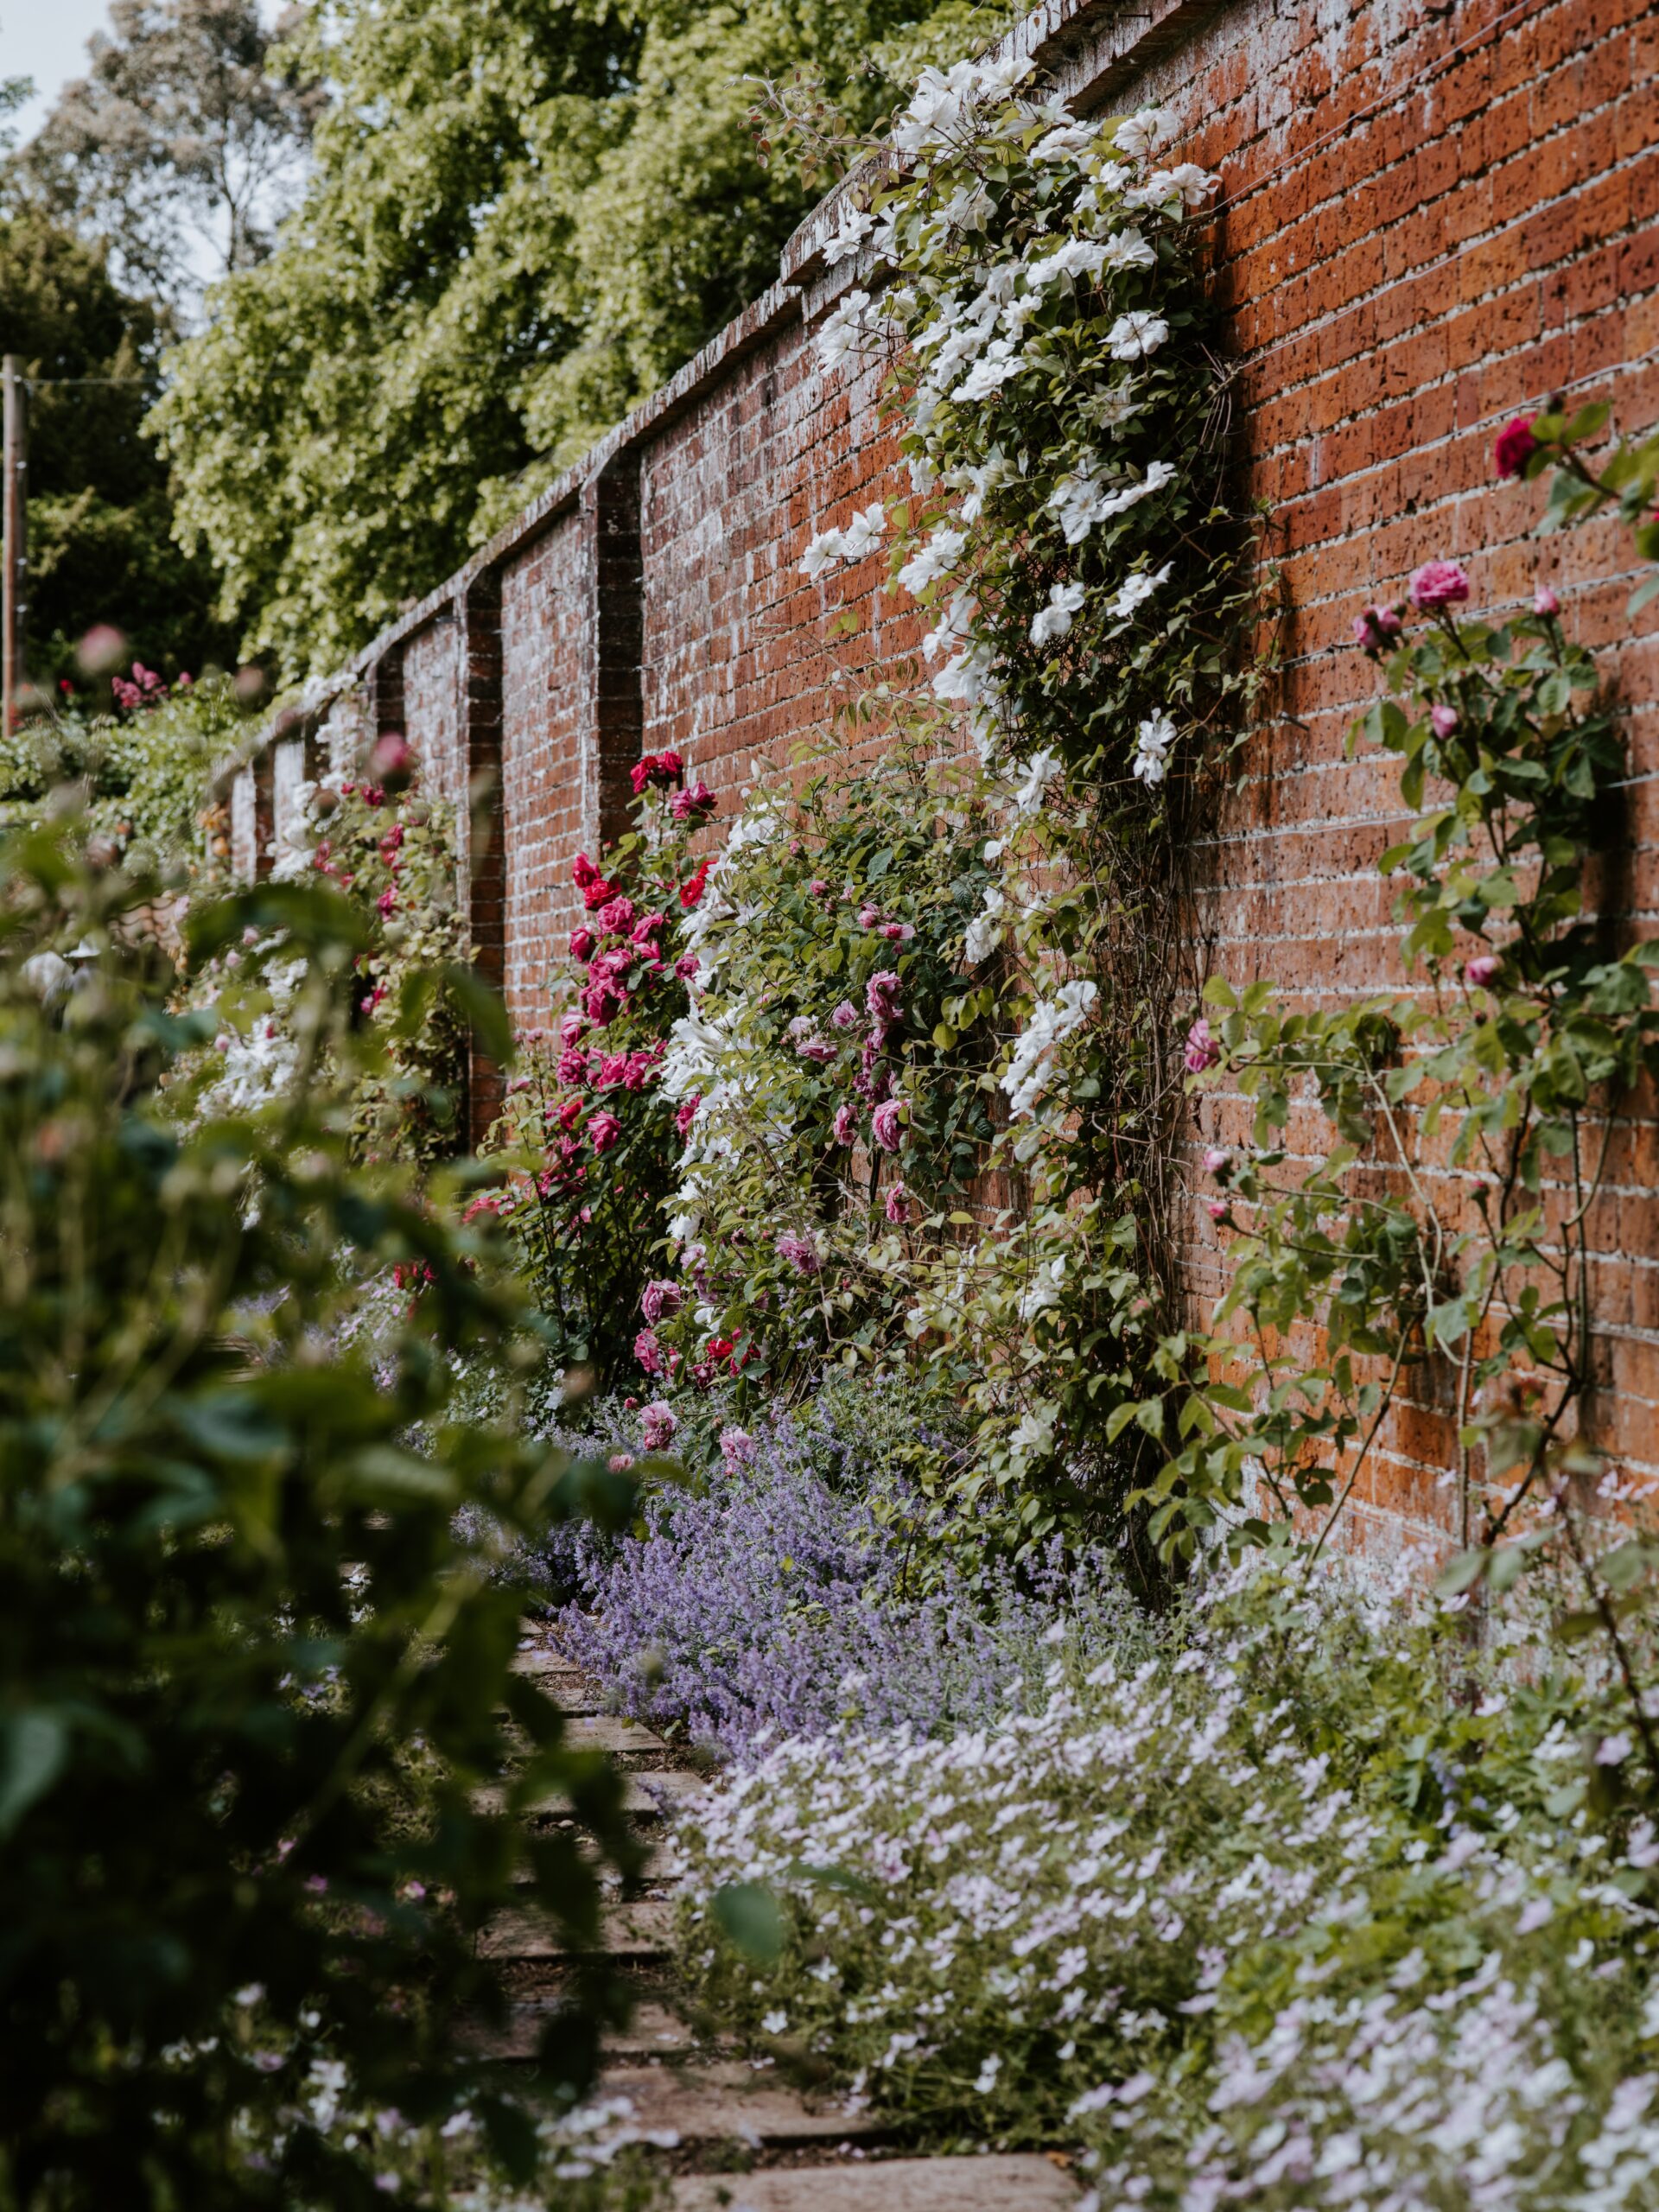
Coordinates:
column 1002, row 2182
column 645, row 1796
column 653, row 2032
column 642, row 1929
column 614, row 1732
column 724, row 2100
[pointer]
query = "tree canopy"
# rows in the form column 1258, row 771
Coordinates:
column 100, row 543
column 519, row 219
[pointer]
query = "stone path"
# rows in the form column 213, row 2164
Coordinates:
column 734, row 2135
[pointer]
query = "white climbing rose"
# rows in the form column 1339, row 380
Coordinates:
column 1056, row 618
column 1146, row 132
column 1135, row 336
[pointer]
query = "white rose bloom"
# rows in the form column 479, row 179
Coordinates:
column 845, row 333
column 1135, row 336
column 1066, row 142
column 826, row 548
column 1127, row 249
column 1138, row 589
column 1077, row 257
column 1152, row 741
column 999, row 76
column 985, row 931
column 1039, row 772
column 1056, row 618
column 865, row 532
column 936, row 559
column 1146, row 133
column 1052, row 1023
column 855, row 225
column 990, row 373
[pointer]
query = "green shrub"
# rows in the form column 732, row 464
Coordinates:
column 251, row 1683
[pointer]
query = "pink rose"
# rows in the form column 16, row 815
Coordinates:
column 582, row 941
column 736, row 1447
column 845, row 1015
column 800, row 1253
column 1545, row 603
column 603, row 1131
column 647, row 927
column 886, row 1121
column 686, row 1114
column 1442, row 720
column 617, row 914
column 393, row 762
column 657, row 1426
column 570, row 1027
column 1514, row 446
column 881, row 995
column 688, row 806
column 868, row 917
column 1202, row 1049
column 818, row 887
column 660, row 1297
column 1377, row 629
column 648, row 1351
column 1215, row 1159
column 898, row 1207
column 846, row 1124
column 1438, row 584
column 602, row 999
column 1480, row 970
column 572, row 1067
column 569, row 1113
column 1217, row 1209
column 686, row 966
column 898, row 933
column 620, row 1462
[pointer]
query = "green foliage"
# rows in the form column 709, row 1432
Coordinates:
column 831, row 993
column 254, row 1688
column 99, row 516
column 143, row 778
column 1510, row 1063
column 520, row 219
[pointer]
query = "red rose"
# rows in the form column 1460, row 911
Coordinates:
column 1514, row 446
column 691, row 889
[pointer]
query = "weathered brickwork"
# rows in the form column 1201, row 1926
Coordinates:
column 1430, row 220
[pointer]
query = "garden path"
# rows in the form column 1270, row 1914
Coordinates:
column 732, row 2133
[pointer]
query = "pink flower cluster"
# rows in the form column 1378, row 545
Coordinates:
column 1203, row 1050
column 143, row 688
column 800, row 1253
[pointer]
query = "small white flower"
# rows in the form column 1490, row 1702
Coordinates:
column 1039, row 772
column 1614, row 1750
column 821, row 551
column 936, row 559
column 1146, row 133
column 987, row 2074
column 985, row 931
column 865, row 532
column 856, row 224
column 774, row 2023
column 1137, row 589
column 1135, row 336
column 1056, row 618
column 1127, row 249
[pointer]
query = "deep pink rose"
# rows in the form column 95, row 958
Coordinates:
column 686, row 1114
column 898, row 1207
column 1215, row 1159
column 686, row 966
column 603, row 1131
column 846, row 1124
column 602, row 999
column 1217, row 1209
column 736, row 1447
column 881, row 995
column 1202, row 1049
column 868, row 917
column 648, row 926
column 1442, row 720
column 886, row 1121
column 393, row 762
column 1438, row 584
column 660, row 1297
column 572, row 1067
column 690, row 805
column 1377, row 629
column 898, row 933
column 617, row 914
column 1544, row 601
column 569, row 1113
column 1480, row 970
column 583, row 873
column 1514, row 446
column 845, row 1016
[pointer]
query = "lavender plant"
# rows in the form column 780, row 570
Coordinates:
column 783, row 1595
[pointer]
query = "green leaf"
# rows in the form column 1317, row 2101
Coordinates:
column 751, row 1917
column 34, row 1747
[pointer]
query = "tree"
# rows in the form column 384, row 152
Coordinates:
column 100, row 522
column 177, row 146
column 520, row 218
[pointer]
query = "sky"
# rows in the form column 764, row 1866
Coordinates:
column 45, row 40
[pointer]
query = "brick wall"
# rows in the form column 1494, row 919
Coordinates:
column 1431, row 218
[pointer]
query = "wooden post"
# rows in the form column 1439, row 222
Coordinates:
column 14, row 556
